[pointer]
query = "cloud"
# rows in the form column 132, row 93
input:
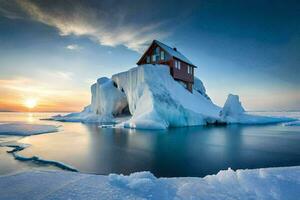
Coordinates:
column 130, row 23
column 73, row 47
column 65, row 75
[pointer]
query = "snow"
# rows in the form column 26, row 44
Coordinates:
column 154, row 100
column 174, row 53
column 86, row 116
column 199, row 87
column 25, row 129
column 264, row 184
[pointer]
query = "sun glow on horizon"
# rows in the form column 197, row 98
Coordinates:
column 30, row 103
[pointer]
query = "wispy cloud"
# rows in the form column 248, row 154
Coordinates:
column 32, row 87
column 64, row 75
column 74, row 47
column 108, row 23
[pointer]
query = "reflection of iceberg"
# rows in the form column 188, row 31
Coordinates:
column 264, row 184
column 154, row 100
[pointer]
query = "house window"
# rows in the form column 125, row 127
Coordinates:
column 190, row 69
column 162, row 55
column 177, row 64
column 148, row 59
column 153, row 58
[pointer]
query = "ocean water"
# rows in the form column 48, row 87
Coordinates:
column 193, row 151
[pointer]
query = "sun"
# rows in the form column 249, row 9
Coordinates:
column 30, row 103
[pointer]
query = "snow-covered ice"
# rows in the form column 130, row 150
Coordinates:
column 25, row 129
column 264, row 184
column 155, row 100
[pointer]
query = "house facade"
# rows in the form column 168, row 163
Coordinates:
column 181, row 68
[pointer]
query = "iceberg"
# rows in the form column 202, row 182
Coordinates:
column 157, row 101
column 264, row 184
column 154, row 100
column 234, row 113
column 232, row 109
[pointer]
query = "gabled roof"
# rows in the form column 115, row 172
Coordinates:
column 173, row 52
column 169, row 50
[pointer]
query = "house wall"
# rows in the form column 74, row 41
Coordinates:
column 182, row 73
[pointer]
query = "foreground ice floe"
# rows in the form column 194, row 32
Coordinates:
column 25, row 129
column 265, row 184
column 156, row 101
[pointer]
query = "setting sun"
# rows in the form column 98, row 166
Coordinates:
column 30, row 103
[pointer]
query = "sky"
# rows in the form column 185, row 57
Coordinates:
column 51, row 51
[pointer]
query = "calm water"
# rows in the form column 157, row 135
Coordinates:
column 196, row 151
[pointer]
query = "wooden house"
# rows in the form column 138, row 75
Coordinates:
column 181, row 68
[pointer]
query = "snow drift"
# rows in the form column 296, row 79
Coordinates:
column 156, row 101
column 264, row 184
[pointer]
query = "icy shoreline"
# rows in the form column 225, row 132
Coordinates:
column 268, row 184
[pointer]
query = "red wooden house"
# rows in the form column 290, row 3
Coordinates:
column 181, row 68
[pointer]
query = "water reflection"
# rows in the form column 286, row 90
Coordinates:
column 193, row 151
column 30, row 118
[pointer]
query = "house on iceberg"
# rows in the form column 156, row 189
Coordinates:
column 181, row 68
column 161, row 92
